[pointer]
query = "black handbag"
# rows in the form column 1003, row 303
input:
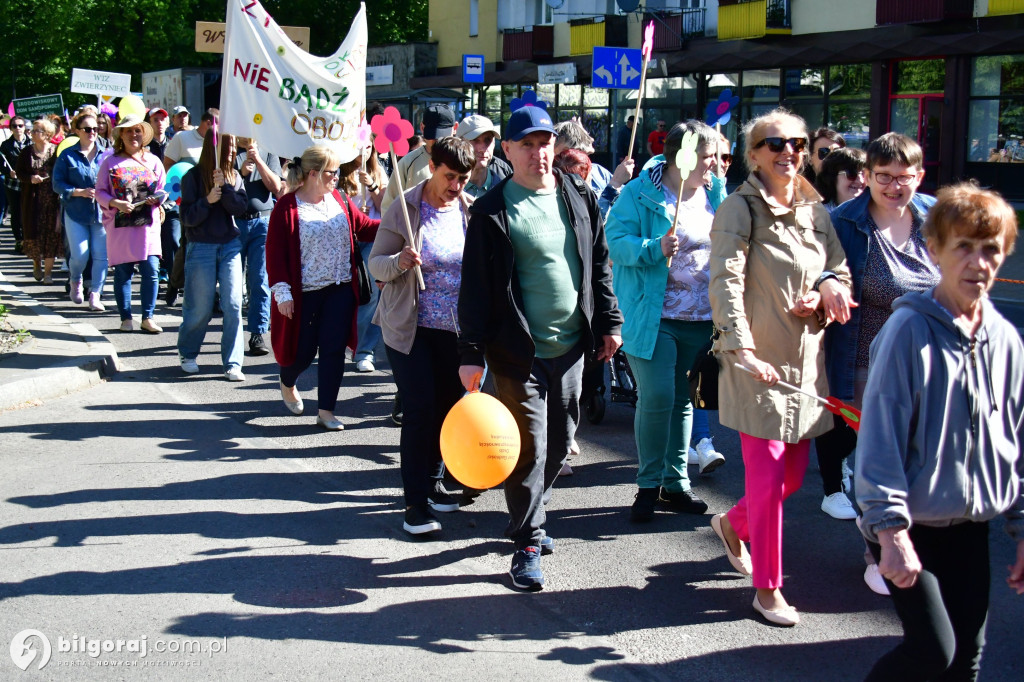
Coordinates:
column 362, row 277
column 703, row 378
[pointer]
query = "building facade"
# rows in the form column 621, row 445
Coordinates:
column 949, row 73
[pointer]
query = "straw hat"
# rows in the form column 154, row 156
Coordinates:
column 132, row 120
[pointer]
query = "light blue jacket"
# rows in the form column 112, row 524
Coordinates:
column 635, row 226
column 74, row 171
column 942, row 429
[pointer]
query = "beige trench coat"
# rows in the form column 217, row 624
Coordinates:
column 765, row 256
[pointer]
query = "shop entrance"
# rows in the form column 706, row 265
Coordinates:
column 916, row 109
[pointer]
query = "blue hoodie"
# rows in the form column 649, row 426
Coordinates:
column 942, row 428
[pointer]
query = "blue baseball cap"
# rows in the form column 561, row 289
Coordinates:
column 528, row 120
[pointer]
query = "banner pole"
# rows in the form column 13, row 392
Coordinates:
column 396, row 177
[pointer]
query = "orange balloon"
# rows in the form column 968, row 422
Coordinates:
column 480, row 441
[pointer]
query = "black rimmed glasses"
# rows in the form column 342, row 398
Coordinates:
column 778, row 144
column 901, row 180
column 332, row 173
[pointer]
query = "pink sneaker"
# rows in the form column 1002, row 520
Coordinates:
column 95, row 303
column 76, row 292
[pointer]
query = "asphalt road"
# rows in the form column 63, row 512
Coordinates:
column 190, row 508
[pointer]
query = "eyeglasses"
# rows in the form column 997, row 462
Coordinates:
column 778, row 144
column 901, row 180
column 661, row 125
column 726, row 158
column 89, row 129
column 38, row 131
column 332, row 173
column 823, row 152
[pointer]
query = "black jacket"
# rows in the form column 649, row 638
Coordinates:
column 206, row 223
column 492, row 319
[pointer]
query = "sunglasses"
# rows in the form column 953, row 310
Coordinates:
column 89, row 129
column 332, row 173
column 727, row 158
column 823, row 152
column 19, row 125
column 854, row 174
column 778, row 144
column 901, row 180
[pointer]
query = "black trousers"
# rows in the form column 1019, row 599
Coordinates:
column 832, row 448
column 14, row 209
column 428, row 385
column 327, row 316
column 945, row 612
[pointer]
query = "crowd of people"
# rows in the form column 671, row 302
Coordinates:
column 824, row 273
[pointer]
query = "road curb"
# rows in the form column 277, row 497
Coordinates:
column 63, row 356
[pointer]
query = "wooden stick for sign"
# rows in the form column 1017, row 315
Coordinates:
column 639, row 100
column 785, row 385
column 396, row 177
column 366, row 194
column 675, row 219
column 718, row 150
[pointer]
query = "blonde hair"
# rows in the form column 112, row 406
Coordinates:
column 318, row 158
column 46, row 125
column 753, row 130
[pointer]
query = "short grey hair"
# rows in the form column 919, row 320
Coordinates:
column 573, row 135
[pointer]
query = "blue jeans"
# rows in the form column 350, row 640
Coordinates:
column 85, row 241
column 170, row 237
column 369, row 333
column 664, row 413
column 253, row 237
column 148, row 270
column 701, row 428
column 206, row 265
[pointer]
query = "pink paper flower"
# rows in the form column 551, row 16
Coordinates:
column 648, row 40
column 363, row 133
column 391, row 129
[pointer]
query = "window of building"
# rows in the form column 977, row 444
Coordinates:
column 996, row 110
column 474, row 17
column 919, row 76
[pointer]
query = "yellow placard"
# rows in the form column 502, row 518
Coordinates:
column 210, row 36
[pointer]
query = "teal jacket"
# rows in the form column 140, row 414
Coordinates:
column 634, row 229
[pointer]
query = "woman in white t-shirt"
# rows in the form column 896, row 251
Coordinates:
column 661, row 280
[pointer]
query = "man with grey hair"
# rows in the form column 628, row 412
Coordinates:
column 606, row 185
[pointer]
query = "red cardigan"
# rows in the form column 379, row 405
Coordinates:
column 284, row 264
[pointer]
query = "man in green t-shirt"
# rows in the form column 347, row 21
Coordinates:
column 535, row 299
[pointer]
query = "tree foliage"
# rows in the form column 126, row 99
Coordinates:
column 40, row 42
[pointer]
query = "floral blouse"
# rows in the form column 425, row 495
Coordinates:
column 325, row 243
column 444, row 235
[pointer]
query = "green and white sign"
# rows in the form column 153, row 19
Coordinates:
column 33, row 107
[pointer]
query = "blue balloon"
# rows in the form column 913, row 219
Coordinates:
column 174, row 176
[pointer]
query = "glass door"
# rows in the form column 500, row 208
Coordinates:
column 919, row 117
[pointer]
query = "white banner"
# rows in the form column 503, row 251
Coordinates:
column 284, row 97
column 90, row 82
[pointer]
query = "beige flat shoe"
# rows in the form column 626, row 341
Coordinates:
column 786, row 616
column 150, row 327
column 293, row 407
column 742, row 562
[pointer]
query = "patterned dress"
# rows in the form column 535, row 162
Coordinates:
column 40, row 205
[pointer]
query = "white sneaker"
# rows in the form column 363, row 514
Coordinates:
column 566, row 470
column 875, row 581
column 692, row 458
column 708, row 458
column 189, row 366
column 838, row 506
column 365, row 365
column 234, row 374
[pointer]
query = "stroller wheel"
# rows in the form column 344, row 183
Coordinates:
column 595, row 408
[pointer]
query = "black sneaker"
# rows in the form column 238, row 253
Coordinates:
column 642, row 510
column 396, row 411
column 440, row 500
column 685, row 502
column 419, row 520
column 525, row 571
column 256, row 345
column 171, row 295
